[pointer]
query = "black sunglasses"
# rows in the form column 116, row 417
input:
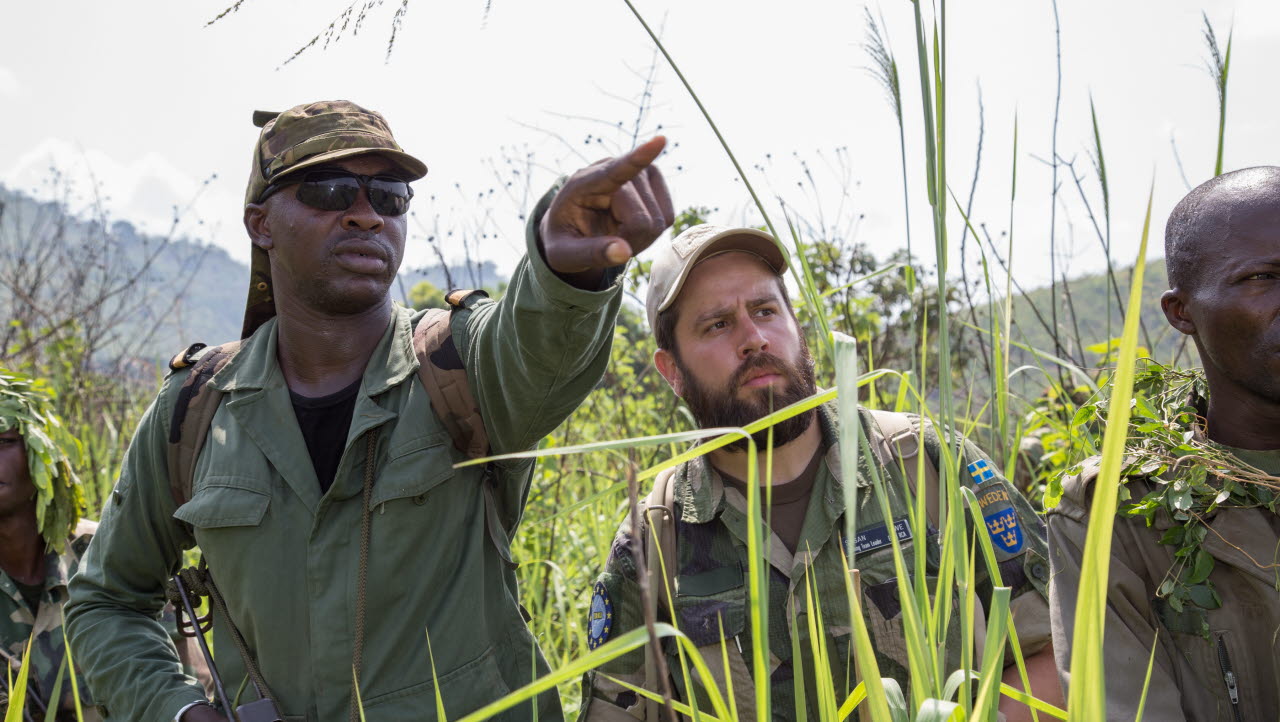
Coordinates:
column 337, row 190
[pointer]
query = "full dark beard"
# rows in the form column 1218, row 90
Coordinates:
column 722, row 407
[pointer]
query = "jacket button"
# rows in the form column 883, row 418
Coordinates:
column 420, row 499
column 1039, row 572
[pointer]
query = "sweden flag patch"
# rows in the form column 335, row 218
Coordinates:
column 980, row 471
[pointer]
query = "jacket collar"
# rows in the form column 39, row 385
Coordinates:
column 701, row 491
column 256, row 366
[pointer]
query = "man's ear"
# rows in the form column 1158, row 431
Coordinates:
column 666, row 363
column 1174, row 304
column 258, row 226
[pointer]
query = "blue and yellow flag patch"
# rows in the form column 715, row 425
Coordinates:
column 980, row 471
column 600, row 618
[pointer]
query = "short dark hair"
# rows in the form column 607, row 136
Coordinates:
column 664, row 332
column 1199, row 221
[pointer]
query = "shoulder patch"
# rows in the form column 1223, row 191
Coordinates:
column 980, row 471
column 1004, row 530
column 600, row 618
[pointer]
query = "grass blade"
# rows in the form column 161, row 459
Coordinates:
column 1087, row 698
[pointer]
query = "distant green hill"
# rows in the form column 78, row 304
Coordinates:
column 190, row 292
column 1089, row 313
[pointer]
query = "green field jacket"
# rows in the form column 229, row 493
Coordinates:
column 808, row 590
column 1216, row 664
column 286, row 557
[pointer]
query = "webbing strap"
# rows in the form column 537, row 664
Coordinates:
column 193, row 412
column 199, row 582
column 898, row 446
column 659, row 511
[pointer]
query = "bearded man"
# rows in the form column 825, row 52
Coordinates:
column 729, row 344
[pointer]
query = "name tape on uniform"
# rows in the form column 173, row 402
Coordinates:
column 873, row 538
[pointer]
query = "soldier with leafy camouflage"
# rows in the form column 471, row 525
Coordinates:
column 729, row 344
column 1192, row 596
column 41, row 541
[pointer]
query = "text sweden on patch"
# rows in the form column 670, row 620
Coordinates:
column 993, row 496
column 877, row 536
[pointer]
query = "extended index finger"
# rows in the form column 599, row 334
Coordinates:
column 611, row 175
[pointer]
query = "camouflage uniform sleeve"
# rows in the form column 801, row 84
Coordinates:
column 1018, row 537
column 1129, row 618
column 615, row 609
column 535, row 354
column 128, row 659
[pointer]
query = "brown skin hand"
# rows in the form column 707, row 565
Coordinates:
column 1042, row 673
column 1233, row 314
column 331, row 275
column 22, row 549
column 605, row 214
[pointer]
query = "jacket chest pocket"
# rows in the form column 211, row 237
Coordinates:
column 223, row 502
column 226, row 516
column 413, row 468
column 708, row 599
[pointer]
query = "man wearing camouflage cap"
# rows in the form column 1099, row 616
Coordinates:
column 729, row 344
column 323, row 394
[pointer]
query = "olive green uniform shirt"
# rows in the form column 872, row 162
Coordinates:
column 285, row 556
column 712, row 587
column 1196, row 647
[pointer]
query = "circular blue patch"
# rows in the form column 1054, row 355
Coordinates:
column 600, row 618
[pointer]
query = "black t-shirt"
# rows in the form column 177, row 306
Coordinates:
column 790, row 500
column 324, row 422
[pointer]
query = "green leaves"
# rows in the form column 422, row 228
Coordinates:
column 26, row 404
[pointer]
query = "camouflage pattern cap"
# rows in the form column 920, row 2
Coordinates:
column 673, row 261
column 303, row 137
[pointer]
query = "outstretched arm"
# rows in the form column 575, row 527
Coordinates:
column 533, row 356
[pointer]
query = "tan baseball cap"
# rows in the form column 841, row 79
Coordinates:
column 673, row 261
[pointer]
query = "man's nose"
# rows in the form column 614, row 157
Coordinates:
column 361, row 216
column 752, row 340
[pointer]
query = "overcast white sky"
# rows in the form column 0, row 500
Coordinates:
column 151, row 102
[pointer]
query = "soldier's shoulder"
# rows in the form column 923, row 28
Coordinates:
column 1078, row 487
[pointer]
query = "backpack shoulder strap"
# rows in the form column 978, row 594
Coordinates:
column 895, row 440
column 659, row 514
column 193, row 413
column 444, row 375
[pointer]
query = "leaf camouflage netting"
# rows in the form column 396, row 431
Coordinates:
column 1191, row 476
column 27, row 405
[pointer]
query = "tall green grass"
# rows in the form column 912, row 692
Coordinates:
column 564, row 537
